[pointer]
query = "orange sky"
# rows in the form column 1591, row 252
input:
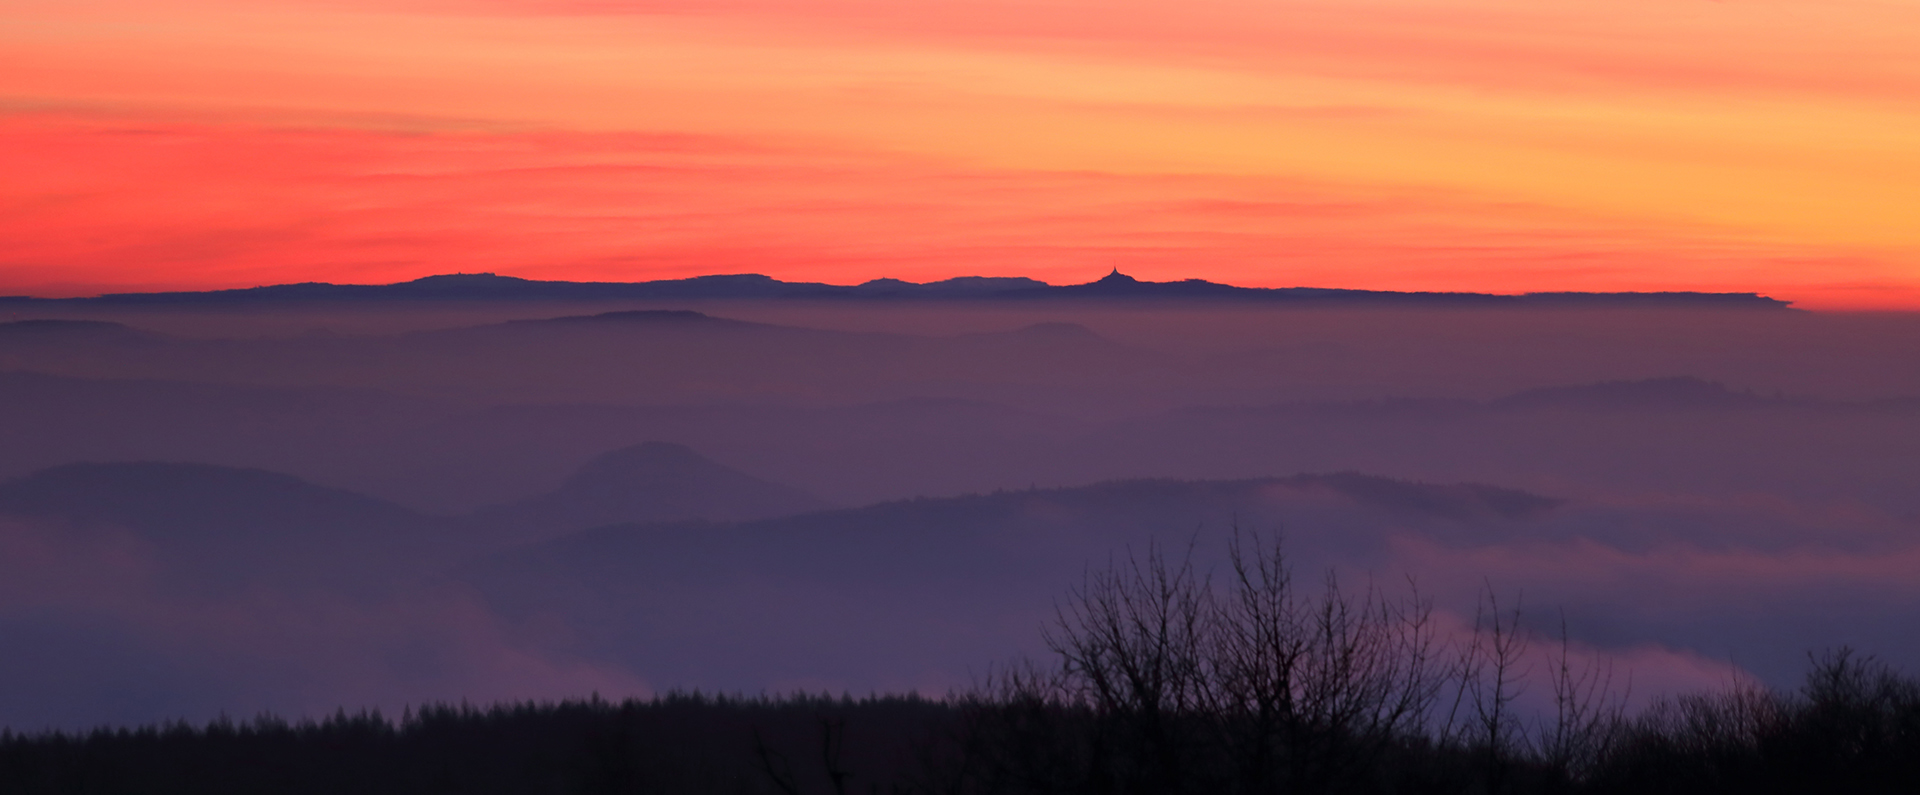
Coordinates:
column 1492, row 145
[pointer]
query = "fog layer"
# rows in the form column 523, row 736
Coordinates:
column 317, row 507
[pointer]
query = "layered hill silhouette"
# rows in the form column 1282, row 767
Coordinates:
column 649, row 482
column 447, row 455
column 1114, row 286
column 224, row 526
column 218, row 529
column 215, row 584
column 864, row 594
column 902, row 585
column 190, row 502
column 625, row 494
column 267, row 571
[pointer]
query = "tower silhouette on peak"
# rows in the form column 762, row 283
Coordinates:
column 1116, row 277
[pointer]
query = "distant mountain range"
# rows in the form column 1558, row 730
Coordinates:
column 1116, row 286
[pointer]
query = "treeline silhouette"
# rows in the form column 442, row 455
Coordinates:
column 678, row 743
column 1160, row 682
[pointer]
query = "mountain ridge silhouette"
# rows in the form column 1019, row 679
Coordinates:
column 1114, row 286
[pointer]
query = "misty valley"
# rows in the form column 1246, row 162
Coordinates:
column 699, row 544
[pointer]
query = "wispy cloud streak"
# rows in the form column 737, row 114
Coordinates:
column 1636, row 145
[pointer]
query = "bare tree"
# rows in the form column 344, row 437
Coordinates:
column 1588, row 714
column 1315, row 688
column 1490, row 674
column 1169, row 682
column 1254, row 686
column 1131, row 643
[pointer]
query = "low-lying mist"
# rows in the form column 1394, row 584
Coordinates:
column 294, row 510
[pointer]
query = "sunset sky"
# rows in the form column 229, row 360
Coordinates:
column 1487, row 145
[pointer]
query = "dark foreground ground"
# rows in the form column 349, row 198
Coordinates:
column 675, row 744
column 1854, row 727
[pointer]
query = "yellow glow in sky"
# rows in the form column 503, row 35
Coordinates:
column 1477, row 145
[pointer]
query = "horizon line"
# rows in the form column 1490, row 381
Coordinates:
column 483, row 285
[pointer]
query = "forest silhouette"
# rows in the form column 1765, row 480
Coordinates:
column 1159, row 680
